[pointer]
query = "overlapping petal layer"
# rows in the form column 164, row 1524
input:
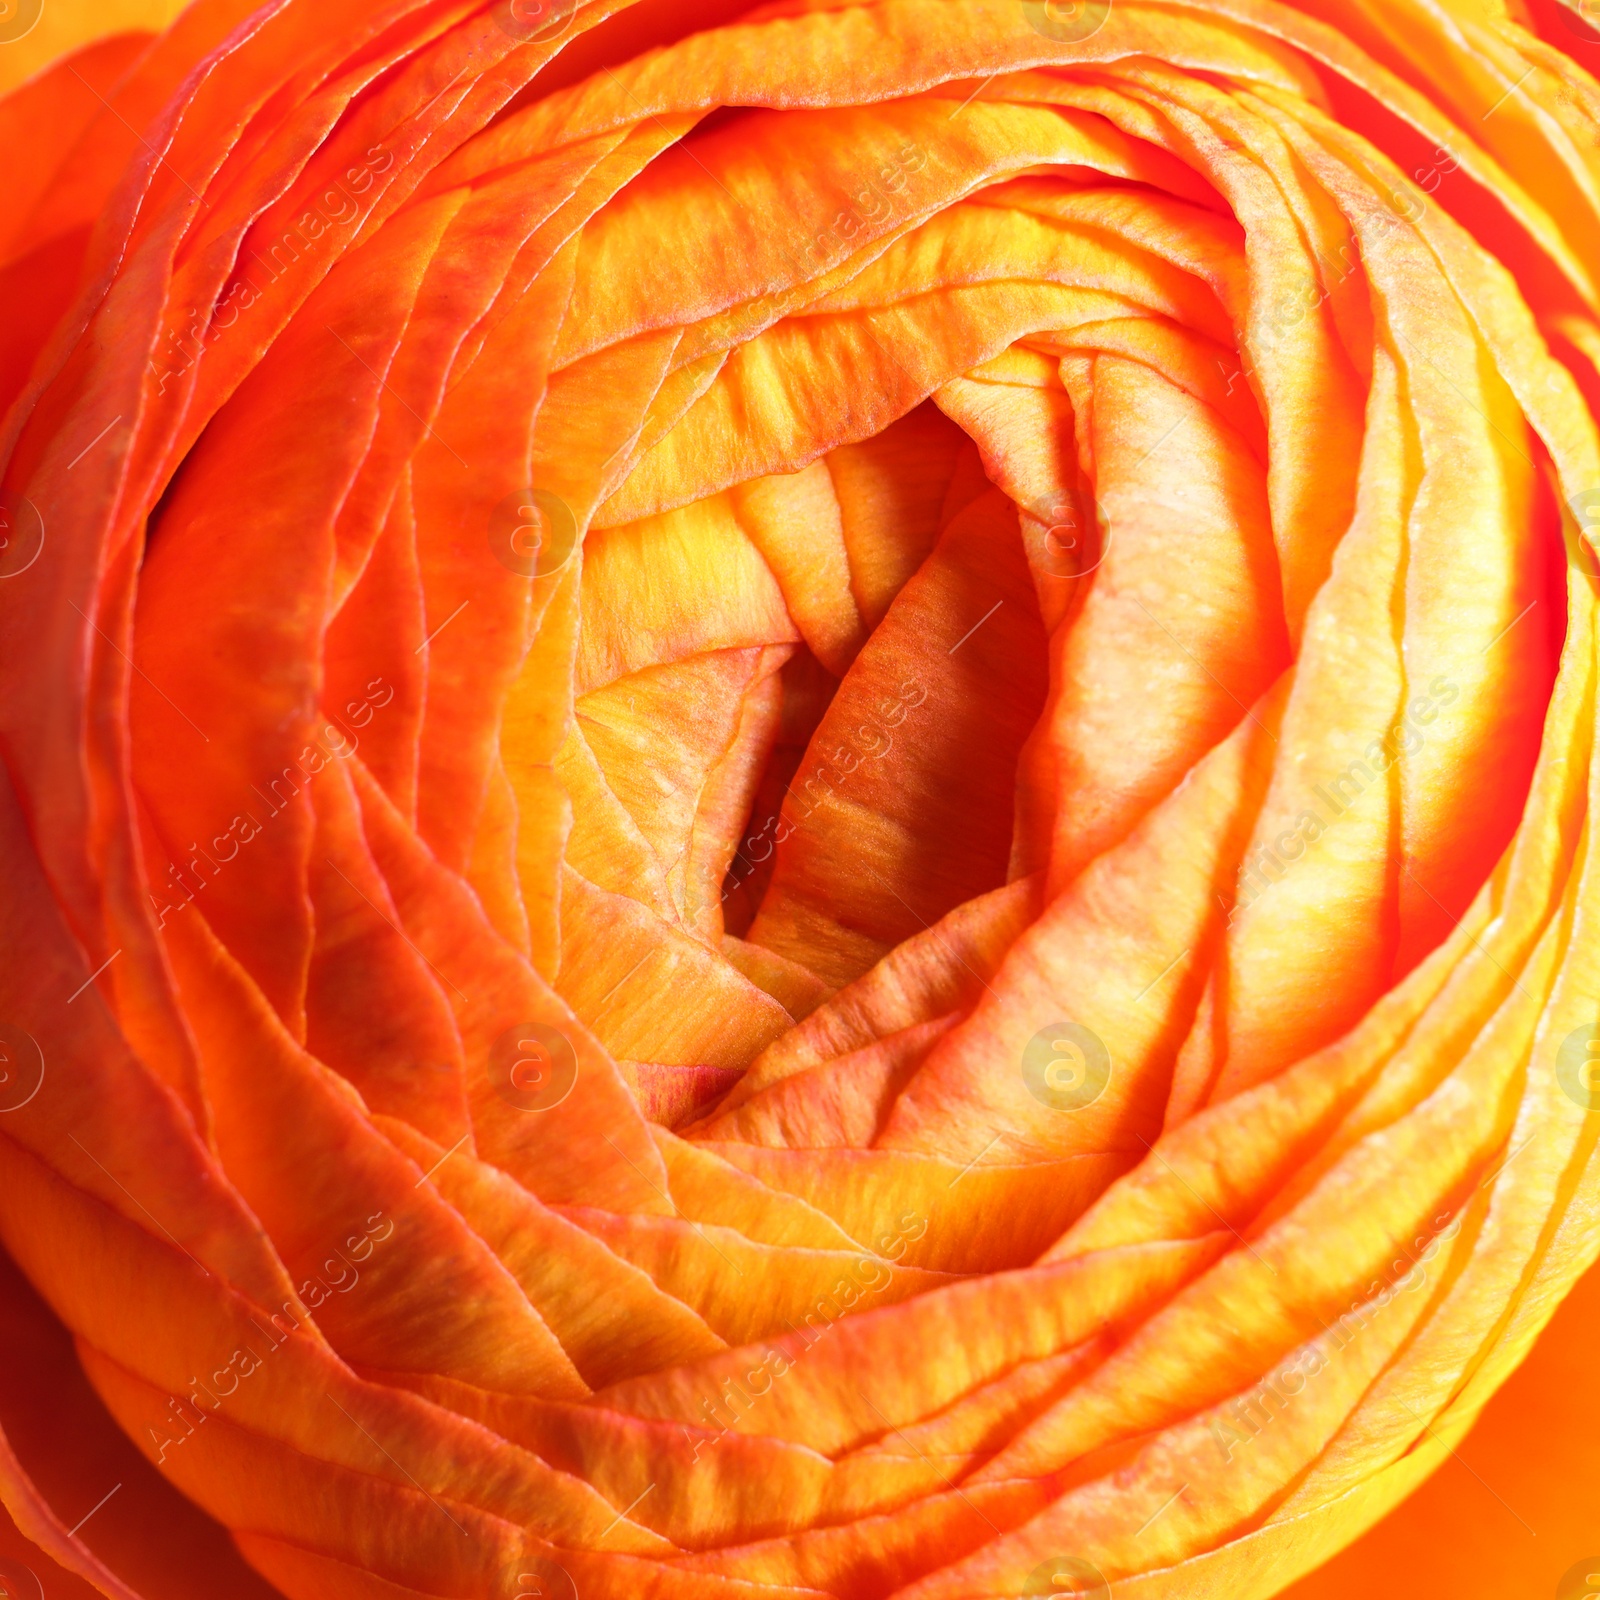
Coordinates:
column 795, row 800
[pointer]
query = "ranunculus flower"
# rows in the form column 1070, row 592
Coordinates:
column 794, row 801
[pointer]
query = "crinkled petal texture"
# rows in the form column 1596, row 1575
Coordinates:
column 794, row 801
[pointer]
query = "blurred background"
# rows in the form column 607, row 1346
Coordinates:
column 63, row 25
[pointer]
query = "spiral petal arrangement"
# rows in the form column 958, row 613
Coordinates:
column 796, row 801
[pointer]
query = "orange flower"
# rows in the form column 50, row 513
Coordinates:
column 795, row 800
